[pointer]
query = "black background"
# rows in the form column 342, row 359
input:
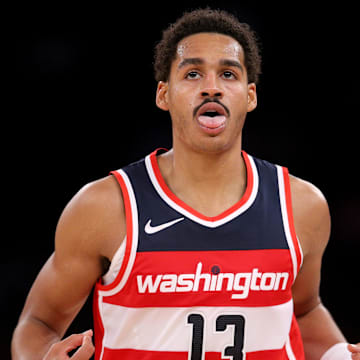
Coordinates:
column 82, row 103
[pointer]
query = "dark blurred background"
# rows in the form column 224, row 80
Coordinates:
column 82, row 103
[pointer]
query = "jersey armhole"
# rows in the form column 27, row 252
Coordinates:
column 288, row 219
column 115, row 265
column 127, row 250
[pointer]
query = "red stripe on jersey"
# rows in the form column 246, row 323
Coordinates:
column 131, row 354
column 173, row 197
column 291, row 218
column 129, row 234
column 98, row 327
column 224, row 278
column 296, row 340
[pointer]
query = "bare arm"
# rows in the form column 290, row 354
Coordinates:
column 312, row 222
column 90, row 229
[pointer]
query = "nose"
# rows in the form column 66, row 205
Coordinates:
column 210, row 87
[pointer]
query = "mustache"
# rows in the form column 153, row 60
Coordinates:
column 215, row 100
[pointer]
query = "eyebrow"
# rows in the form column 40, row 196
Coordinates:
column 231, row 63
column 200, row 61
column 190, row 61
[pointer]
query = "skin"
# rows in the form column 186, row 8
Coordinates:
column 92, row 225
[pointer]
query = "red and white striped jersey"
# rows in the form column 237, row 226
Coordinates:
column 191, row 287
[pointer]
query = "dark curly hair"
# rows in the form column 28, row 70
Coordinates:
column 207, row 20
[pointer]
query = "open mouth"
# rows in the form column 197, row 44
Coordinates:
column 212, row 115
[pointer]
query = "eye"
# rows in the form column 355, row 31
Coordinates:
column 228, row 75
column 192, row 75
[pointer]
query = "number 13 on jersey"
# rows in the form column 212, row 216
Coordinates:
column 198, row 339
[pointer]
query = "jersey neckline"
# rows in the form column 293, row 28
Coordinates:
column 210, row 221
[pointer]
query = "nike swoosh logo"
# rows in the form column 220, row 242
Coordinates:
column 154, row 229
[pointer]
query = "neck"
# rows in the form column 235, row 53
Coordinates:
column 211, row 182
column 208, row 168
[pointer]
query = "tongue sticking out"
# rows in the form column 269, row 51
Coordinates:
column 212, row 122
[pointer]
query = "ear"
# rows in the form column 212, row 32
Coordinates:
column 162, row 95
column 252, row 97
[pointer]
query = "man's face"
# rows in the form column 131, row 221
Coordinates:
column 207, row 95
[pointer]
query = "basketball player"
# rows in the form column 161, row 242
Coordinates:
column 199, row 252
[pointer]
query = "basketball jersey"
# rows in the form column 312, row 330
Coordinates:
column 194, row 287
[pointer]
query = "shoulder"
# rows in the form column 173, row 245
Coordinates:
column 311, row 215
column 98, row 195
column 307, row 194
column 94, row 219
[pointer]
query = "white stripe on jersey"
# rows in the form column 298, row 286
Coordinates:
column 167, row 329
column 181, row 210
column 289, row 350
column 285, row 218
column 135, row 237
